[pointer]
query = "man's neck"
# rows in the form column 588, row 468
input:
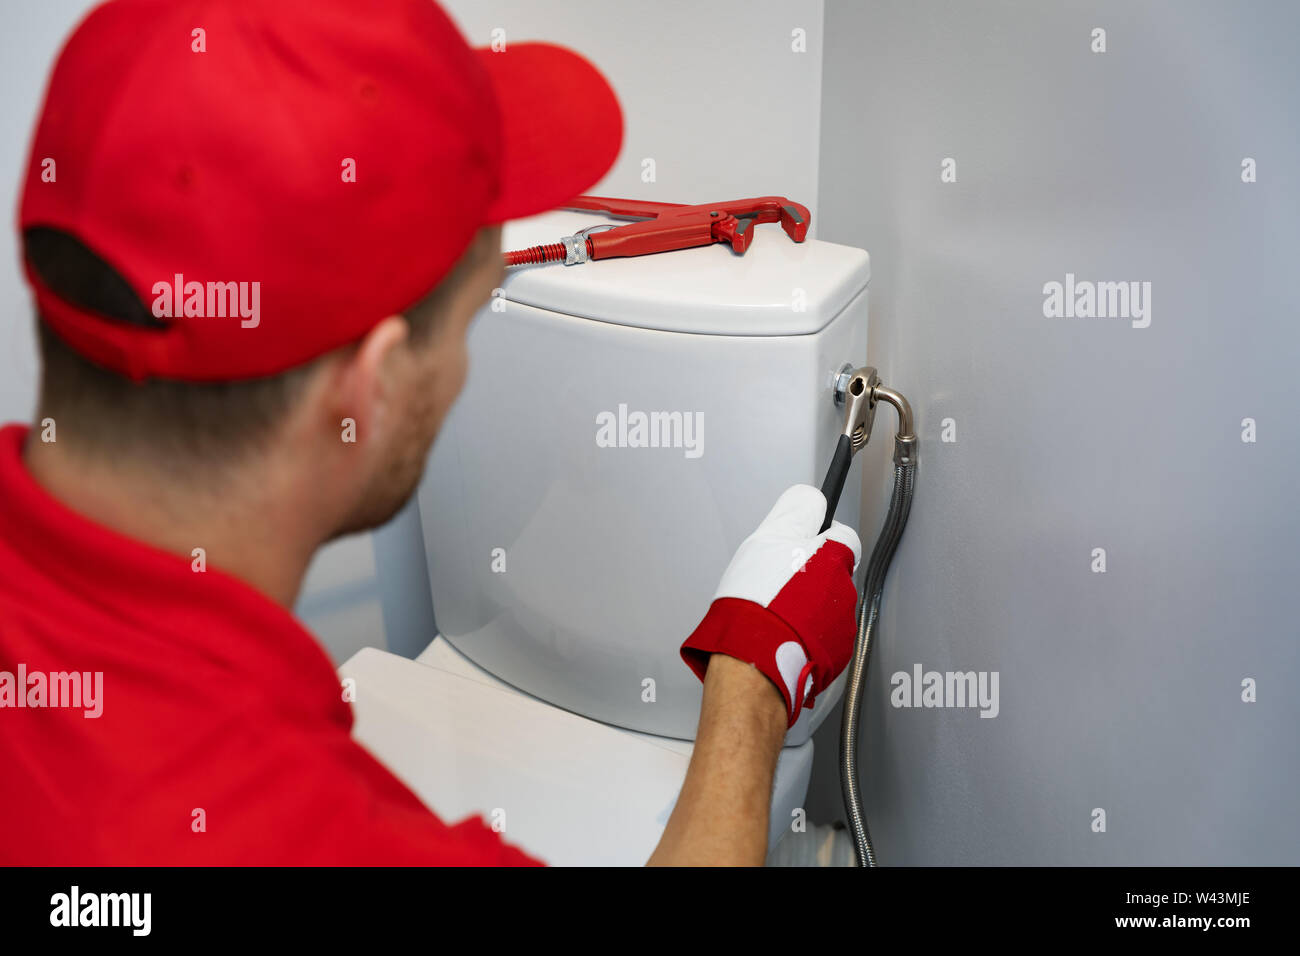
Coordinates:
column 249, row 528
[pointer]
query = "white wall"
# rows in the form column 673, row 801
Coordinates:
column 1119, row 690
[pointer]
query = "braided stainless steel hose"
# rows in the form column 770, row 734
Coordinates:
column 873, row 585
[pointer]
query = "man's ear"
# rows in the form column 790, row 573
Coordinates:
column 364, row 380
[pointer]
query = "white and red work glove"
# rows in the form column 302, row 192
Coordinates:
column 786, row 602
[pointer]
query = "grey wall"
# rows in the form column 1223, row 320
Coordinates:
column 1119, row 690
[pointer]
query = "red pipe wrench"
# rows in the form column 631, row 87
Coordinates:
column 664, row 226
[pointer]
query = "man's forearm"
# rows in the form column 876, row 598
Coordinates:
column 721, row 817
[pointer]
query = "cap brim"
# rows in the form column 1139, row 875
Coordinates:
column 562, row 127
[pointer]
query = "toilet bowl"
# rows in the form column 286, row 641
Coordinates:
column 568, row 790
column 625, row 424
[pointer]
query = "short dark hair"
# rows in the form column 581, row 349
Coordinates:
column 105, row 411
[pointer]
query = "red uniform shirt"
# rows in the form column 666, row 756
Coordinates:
column 221, row 736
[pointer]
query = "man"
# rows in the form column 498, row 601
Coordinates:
column 256, row 235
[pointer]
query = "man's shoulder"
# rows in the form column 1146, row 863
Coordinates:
column 187, row 754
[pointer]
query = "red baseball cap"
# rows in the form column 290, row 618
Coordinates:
column 273, row 178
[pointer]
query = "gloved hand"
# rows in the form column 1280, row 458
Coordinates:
column 786, row 602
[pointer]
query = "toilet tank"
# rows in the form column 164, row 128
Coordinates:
column 625, row 424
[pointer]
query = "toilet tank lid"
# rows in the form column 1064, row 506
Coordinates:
column 778, row 287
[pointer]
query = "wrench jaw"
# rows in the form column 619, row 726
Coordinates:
column 860, row 406
column 794, row 220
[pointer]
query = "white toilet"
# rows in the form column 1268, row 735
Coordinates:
column 625, row 424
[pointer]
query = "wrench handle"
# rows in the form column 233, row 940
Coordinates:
column 835, row 475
